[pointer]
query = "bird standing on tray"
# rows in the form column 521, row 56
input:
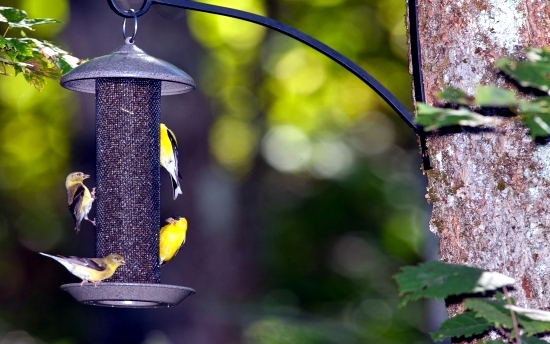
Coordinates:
column 172, row 237
column 79, row 197
column 92, row 270
column 169, row 157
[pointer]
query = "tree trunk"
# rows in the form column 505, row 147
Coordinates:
column 490, row 189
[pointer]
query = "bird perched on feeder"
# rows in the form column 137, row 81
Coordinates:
column 79, row 198
column 92, row 270
column 169, row 157
column 172, row 237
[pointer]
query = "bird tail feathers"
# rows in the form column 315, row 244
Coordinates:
column 176, row 187
column 47, row 255
column 61, row 260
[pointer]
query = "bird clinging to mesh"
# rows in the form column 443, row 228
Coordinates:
column 79, row 198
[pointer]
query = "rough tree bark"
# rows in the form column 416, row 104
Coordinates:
column 489, row 188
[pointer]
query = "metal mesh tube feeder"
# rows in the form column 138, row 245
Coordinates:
column 128, row 85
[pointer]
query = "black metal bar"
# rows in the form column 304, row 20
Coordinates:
column 415, row 52
column 418, row 79
column 389, row 98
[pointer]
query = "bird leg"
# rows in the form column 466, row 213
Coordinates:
column 93, row 193
column 92, row 221
column 82, row 283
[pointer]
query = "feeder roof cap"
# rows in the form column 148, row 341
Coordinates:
column 128, row 61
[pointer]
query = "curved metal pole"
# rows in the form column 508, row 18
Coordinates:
column 418, row 79
column 388, row 97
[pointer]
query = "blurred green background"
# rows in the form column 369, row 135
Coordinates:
column 302, row 188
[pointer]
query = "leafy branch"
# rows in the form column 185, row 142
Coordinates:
column 35, row 59
column 534, row 72
column 482, row 313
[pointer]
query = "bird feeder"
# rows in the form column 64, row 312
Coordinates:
column 128, row 85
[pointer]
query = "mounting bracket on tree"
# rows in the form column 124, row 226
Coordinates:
column 334, row 55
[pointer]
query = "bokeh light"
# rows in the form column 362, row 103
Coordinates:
column 287, row 148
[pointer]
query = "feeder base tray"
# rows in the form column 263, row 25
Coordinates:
column 128, row 295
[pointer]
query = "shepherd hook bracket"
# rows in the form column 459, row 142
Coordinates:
column 324, row 49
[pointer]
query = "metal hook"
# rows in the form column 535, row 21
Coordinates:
column 121, row 12
column 126, row 38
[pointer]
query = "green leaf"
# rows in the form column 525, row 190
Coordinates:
column 535, row 314
column 39, row 58
column 539, row 125
column 492, row 310
column 55, row 57
column 18, row 68
column 455, row 95
column 532, row 340
column 20, row 64
column 434, row 118
column 11, row 15
column 35, row 80
column 537, row 105
column 35, row 59
column 531, row 73
column 536, row 116
column 495, row 312
column 532, row 327
column 462, row 325
column 5, row 44
column 21, row 47
column 436, row 280
column 492, row 95
column 29, row 23
column 18, row 18
column 66, row 63
column 538, row 55
column 496, row 342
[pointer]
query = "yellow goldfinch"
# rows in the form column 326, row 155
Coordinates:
column 79, row 197
column 169, row 157
column 172, row 237
column 92, row 270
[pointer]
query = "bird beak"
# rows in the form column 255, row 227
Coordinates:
column 123, row 262
column 86, row 176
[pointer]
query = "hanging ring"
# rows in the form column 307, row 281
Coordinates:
column 132, row 38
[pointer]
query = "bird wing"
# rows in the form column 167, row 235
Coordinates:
column 91, row 263
column 172, row 137
column 181, row 244
column 174, row 143
column 166, row 247
column 71, row 191
column 175, row 253
column 77, row 201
